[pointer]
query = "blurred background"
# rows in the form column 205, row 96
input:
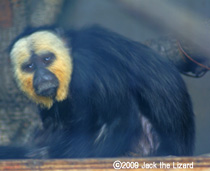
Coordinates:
column 177, row 29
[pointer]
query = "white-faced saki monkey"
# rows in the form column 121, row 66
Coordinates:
column 100, row 95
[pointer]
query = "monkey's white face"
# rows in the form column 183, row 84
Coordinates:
column 38, row 44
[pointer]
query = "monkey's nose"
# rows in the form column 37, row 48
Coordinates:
column 45, row 83
column 46, row 89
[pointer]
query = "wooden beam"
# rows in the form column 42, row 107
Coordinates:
column 166, row 163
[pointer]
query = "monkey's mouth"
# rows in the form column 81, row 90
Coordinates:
column 46, row 89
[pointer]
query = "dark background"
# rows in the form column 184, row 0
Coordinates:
column 140, row 20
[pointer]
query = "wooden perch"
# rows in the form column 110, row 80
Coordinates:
column 166, row 163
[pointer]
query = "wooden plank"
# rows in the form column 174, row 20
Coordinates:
column 167, row 163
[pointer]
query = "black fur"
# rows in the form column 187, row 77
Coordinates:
column 115, row 83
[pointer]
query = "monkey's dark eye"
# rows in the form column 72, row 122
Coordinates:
column 28, row 67
column 48, row 59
